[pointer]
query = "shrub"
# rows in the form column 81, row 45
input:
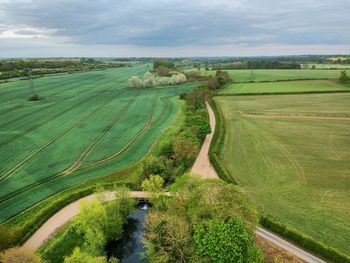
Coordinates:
column 19, row 255
column 135, row 82
column 223, row 242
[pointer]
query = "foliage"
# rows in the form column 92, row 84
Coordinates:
column 154, row 184
column 165, row 63
column 79, row 256
column 169, row 231
column 19, row 255
column 343, row 76
column 6, row 237
column 135, row 82
column 162, row 71
column 101, row 223
column 223, row 77
column 225, row 241
column 148, row 80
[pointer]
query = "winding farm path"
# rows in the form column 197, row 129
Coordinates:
column 201, row 166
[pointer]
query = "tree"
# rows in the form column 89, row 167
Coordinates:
column 91, row 222
column 343, row 76
column 185, row 150
column 212, row 82
column 162, row 71
column 223, row 77
column 153, row 184
column 165, row 63
column 20, row 255
column 178, row 79
column 148, row 80
column 223, row 242
column 79, row 256
column 135, row 82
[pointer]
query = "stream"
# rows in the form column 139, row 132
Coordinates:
column 129, row 248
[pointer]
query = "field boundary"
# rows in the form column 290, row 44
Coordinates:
column 268, row 222
column 281, row 93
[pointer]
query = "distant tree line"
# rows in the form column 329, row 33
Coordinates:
column 257, row 64
column 19, row 67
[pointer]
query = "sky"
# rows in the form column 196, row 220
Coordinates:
column 173, row 28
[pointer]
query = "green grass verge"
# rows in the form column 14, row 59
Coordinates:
column 294, row 169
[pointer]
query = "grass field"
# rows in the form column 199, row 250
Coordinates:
column 284, row 86
column 291, row 154
column 86, row 126
column 248, row 75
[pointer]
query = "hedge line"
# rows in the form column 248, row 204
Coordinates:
column 216, row 145
column 277, row 227
column 280, row 80
column 282, row 93
column 304, row 241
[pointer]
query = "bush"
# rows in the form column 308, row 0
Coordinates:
column 34, row 98
column 20, row 255
column 225, row 241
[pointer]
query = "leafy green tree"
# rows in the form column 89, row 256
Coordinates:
column 91, row 222
column 225, row 242
column 79, row 256
column 154, row 184
column 185, row 150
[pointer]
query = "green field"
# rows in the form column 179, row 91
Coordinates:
column 291, row 154
column 86, row 126
column 248, row 75
column 284, row 86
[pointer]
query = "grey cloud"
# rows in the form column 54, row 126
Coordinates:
column 173, row 23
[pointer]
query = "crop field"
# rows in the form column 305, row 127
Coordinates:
column 86, row 126
column 291, row 154
column 248, row 75
column 284, row 86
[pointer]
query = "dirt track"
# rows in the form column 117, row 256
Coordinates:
column 202, row 164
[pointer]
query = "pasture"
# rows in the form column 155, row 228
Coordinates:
column 291, row 154
column 256, row 75
column 284, row 86
column 86, row 126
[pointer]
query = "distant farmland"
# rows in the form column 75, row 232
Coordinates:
column 247, row 75
column 291, row 154
column 284, row 86
column 86, row 126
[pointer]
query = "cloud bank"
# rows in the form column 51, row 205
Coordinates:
column 173, row 28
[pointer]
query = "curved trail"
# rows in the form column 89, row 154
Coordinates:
column 201, row 166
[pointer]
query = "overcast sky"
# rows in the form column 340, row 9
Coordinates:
column 31, row 28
